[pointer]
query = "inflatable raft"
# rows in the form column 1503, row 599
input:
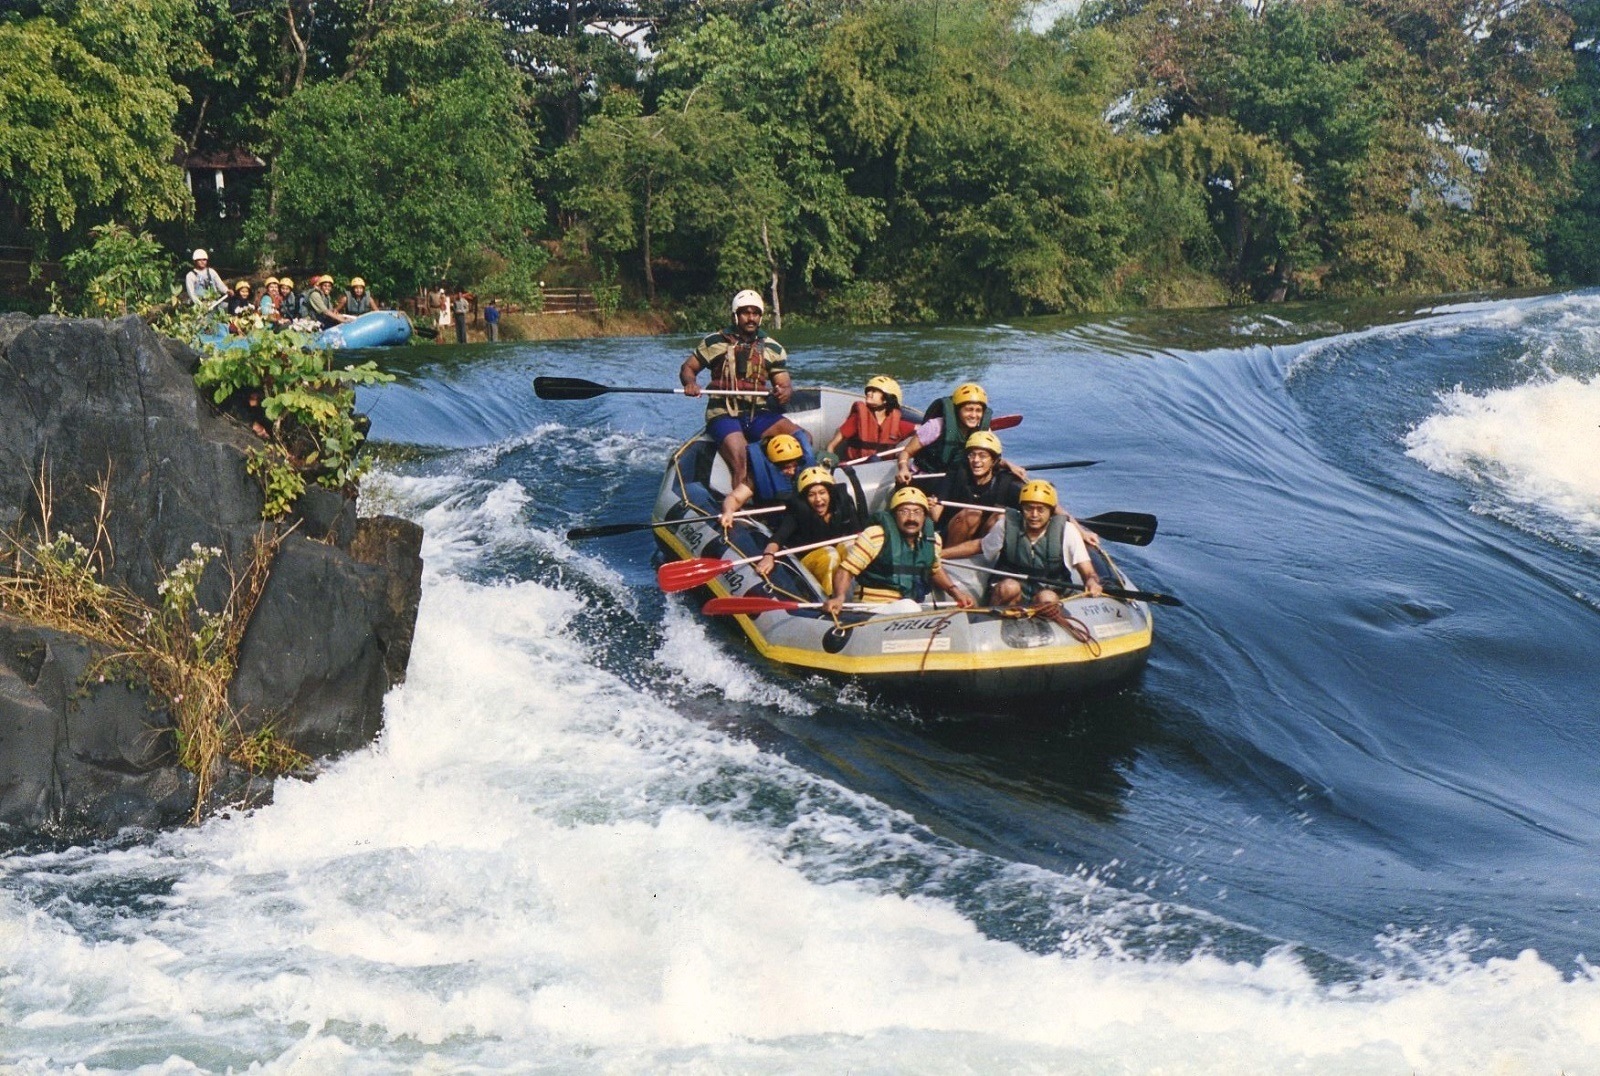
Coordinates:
column 935, row 648
column 378, row 328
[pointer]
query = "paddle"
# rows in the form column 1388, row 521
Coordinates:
column 576, row 388
column 999, row 422
column 606, row 530
column 1029, row 467
column 1109, row 591
column 679, row 575
column 1128, row 528
column 755, row 606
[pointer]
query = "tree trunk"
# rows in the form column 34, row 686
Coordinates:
column 772, row 264
column 649, row 273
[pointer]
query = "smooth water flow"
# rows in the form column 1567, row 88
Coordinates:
column 1345, row 822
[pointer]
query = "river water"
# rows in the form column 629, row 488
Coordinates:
column 1346, row 821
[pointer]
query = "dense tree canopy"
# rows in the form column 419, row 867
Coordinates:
column 855, row 159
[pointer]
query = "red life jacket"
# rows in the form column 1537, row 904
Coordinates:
column 872, row 436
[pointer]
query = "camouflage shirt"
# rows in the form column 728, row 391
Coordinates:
column 736, row 364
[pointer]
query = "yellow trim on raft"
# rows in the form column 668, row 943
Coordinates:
column 915, row 662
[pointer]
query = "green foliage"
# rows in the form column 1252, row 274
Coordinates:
column 119, row 271
column 415, row 160
column 310, row 406
column 87, row 93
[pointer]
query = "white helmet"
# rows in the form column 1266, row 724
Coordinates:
column 197, row 255
column 748, row 298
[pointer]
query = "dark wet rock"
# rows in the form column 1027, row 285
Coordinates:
column 87, row 403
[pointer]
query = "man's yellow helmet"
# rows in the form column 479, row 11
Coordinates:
column 784, row 449
column 886, row 385
column 908, row 495
column 971, row 392
column 812, row 476
column 357, row 282
column 1038, row 492
column 985, row 440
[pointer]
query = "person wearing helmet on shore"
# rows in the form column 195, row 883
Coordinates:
column 741, row 358
column 873, row 425
column 978, row 479
column 203, row 284
column 784, row 452
column 821, row 512
column 1040, row 542
column 897, row 556
column 358, row 300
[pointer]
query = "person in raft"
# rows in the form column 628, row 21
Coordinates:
column 203, row 284
column 786, row 454
column 744, row 359
column 822, row 512
column 897, row 556
column 358, row 300
column 874, row 424
column 1042, row 543
column 978, row 479
column 941, row 441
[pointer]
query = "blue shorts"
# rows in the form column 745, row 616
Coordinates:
column 752, row 426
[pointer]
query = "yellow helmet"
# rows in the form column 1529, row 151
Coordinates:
column 811, row 476
column 1039, row 492
column 243, row 285
column 908, row 495
column 784, row 449
column 971, row 392
column 357, row 282
column 267, row 283
column 886, row 385
column 985, row 440
column 285, row 282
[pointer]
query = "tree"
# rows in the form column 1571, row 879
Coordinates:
column 417, row 158
column 88, row 100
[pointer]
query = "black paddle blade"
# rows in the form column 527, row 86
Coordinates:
column 566, row 388
column 1128, row 528
column 606, row 530
column 1142, row 596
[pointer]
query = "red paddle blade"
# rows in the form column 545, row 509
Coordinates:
column 1005, row 422
column 687, row 574
column 747, row 606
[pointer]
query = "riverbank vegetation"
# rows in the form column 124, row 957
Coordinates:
column 857, row 160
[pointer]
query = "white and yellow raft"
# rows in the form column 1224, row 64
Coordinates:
column 976, row 654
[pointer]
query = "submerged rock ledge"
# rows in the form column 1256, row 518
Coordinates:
column 82, row 756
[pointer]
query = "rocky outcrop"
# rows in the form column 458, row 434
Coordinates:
column 85, row 404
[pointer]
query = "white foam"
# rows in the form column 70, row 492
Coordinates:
column 1535, row 445
column 540, row 866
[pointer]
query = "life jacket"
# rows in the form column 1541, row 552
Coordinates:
column 872, row 436
column 358, row 306
column 289, row 304
column 743, row 367
column 950, row 449
column 1042, row 559
column 772, row 485
column 899, row 566
column 1002, row 491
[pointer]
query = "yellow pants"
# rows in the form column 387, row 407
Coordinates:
column 821, row 564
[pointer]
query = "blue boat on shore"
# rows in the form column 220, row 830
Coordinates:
column 378, row 328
